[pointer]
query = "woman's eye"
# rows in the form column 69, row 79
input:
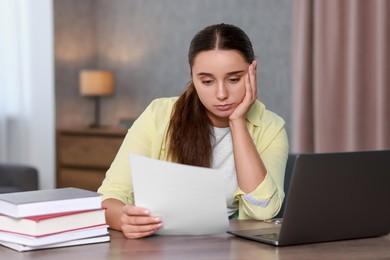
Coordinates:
column 234, row 80
column 207, row 82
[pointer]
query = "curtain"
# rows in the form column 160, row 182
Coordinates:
column 341, row 82
column 13, row 91
column 27, row 86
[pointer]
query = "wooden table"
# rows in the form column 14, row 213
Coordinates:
column 221, row 246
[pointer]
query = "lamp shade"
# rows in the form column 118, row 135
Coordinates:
column 96, row 82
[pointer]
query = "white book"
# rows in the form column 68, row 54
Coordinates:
column 53, row 239
column 50, row 224
column 84, row 241
column 41, row 202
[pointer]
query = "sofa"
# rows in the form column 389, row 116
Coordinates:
column 15, row 178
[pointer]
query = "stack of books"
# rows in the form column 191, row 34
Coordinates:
column 52, row 218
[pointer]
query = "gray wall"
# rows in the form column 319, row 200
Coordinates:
column 145, row 43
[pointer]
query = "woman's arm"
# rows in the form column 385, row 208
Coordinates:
column 144, row 139
column 250, row 169
column 113, row 213
column 259, row 170
column 265, row 201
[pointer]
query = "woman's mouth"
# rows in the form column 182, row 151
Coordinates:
column 224, row 107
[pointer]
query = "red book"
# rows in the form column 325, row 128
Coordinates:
column 52, row 223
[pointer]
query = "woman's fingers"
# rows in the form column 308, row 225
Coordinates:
column 132, row 210
column 252, row 79
column 250, row 94
column 138, row 231
column 137, row 222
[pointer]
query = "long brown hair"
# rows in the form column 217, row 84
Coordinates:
column 190, row 130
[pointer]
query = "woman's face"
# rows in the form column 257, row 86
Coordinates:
column 218, row 77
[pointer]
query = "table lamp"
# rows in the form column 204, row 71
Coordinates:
column 95, row 84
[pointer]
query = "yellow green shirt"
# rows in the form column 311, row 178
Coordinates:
column 147, row 137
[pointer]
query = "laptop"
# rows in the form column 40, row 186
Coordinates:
column 332, row 196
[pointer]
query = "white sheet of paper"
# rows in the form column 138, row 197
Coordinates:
column 189, row 199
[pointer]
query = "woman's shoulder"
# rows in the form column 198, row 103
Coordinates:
column 164, row 102
column 260, row 115
column 157, row 113
column 161, row 106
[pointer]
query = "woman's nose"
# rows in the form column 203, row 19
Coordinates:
column 222, row 93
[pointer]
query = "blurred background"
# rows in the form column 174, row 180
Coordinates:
column 307, row 53
column 145, row 44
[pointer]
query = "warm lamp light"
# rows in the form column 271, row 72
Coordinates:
column 95, row 84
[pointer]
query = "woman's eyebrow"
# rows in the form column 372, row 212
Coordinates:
column 235, row 72
column 204, row 74
column 229, row 73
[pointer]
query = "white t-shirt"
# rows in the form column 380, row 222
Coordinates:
column 223, row 159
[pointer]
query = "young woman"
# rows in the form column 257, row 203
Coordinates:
column 217, row 122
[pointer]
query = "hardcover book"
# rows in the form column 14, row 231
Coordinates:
column 52, row 223
column 53, row 239
column 41, row 202
column 83, row 241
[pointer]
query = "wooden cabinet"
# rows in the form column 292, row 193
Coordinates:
column 85, row 154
